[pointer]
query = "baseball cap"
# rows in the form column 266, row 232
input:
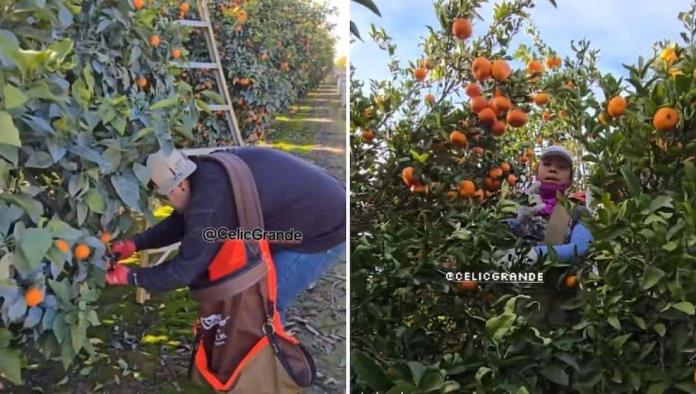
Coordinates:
column 557, row 150
column 168, row 170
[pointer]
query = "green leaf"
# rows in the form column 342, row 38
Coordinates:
column 614, row 322
column 66, row 354
column 5, row 337
column 370, row 5
column 77, row 336
column 61, row 290
column 95, row 201
column 481, row 373
column 618, row 342
column 631, row 180
column 39, row 159
column 568, row 359
column 498, row 326
column 657, row 388
column 11, row 365
column 127, row 188
column 651, row 277
column 685, row 307
column 432, row 380
column 417, row 371
column 34, row 243
column 13, row 97
column 555, row 374
column 402, row 387
column 8, row 132
column 368, row 371
column 660, row 329
column 165, row 103
column 661, row 202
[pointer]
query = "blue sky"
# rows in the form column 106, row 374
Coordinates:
column 621, row 29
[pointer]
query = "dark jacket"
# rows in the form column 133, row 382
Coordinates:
column 295, row 194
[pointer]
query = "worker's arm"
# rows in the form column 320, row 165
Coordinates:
column 580, row 240
column 170, row 230
column 211, row 205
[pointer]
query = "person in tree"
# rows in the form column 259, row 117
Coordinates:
column 294, row 195
column 544, row 223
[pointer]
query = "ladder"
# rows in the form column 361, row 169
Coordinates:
column 216, row 65
column 141, row 295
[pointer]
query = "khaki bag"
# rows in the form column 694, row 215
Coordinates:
column 240, row 345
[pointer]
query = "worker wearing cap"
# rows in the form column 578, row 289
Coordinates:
column 543, row 224
column 294, row 195
column 554, row 175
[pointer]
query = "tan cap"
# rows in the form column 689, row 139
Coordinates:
column 168, row 170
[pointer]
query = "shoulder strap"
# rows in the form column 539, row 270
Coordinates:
column 246, row 196
column 558, row 226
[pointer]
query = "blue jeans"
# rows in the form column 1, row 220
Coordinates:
column 295, row 271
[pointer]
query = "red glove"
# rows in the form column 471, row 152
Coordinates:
column 124, row 249
column 118, row 275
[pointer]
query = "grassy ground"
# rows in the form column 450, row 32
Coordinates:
column 146, row 348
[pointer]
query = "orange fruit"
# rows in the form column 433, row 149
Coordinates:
column 241, row 16
column 137, row 4
column 62, row 245
column 33, row 296
column 553, row 61
column 495, row 173
column 535, row 67
column 478, row 151
column 426, row 63
column 184, row 8
column 500, row 70
column 478, row 103
column 511, row 180
column 541, row 99
column 546, row 116
column 368, row 135
column 516, row 118
column 430, row 99
column 467, row 188
column 489, row 183
column 498, row 128
column 407, row 175
column 467, row 285
column 141, row 82
column 665, row 119
column 461, row 28
column 569, row 84
column 505, row 167
column 105, row 237
column 501, row 104
column 473, row 90
column 458, row 138
column 176, row 53
column 420, row 73
column 616, row 107
column 481, row 68
column 571, row 281
column 81, row 252
column 452, row 194
column 265, row 57
column 478, row 194
column 487, row 115
column 155, row 40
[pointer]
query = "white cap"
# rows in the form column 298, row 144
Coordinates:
column 557, row 150
column 168, row 170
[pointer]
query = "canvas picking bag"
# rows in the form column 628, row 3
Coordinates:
column 240, row 345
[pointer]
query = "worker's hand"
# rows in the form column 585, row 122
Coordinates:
column 507, row 257
column 124, row 249
column 118, row 276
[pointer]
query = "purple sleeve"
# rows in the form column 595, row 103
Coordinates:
column 170, row 230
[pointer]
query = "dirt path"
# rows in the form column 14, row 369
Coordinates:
column 315, row 130
column 146, row 348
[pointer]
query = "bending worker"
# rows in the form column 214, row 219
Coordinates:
column 295, row 196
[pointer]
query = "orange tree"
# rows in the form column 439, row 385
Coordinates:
column 86, row 91
column 273, row 52
column 435, row 153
